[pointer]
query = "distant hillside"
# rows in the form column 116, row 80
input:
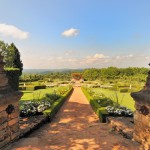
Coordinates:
column 45, row 71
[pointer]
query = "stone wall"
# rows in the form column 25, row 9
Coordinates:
column 9, row 109
column 142, row 115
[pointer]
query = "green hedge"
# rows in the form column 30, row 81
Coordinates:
column 102, row 114
column 13, row 78
column 22, row 88
column 100, row 111
column 32, row 88
column 56, row 105
column 124, row 90
column 37, row 87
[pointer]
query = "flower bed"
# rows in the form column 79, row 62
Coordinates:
column 104, row 106
column 38, row 106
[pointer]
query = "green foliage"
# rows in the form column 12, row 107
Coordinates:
column 48, row 104
column 103, row 102
column 119, row 111
column 100, row 111
column 32, row 87
column 37, row 87
column 113, row 74
column 13, row 78
column 124, row 90
column 17, row 63
column 123, row 99
column 52, row 96
column 11, row 56
column 13, row 64
column 105, row 106
column 56, row 105
column 30, row 108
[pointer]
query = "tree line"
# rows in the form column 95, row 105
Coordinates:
column 12, row 60
column 112, row 73
column 93, row 74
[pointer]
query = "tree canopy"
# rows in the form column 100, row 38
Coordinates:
column 11, row 56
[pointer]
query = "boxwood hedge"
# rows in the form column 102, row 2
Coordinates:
column 56, row 105
column 100, row 111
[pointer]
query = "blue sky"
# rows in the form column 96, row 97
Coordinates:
column 78, row 34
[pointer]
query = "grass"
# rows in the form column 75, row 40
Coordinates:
column 30, row 95
column 124, row 99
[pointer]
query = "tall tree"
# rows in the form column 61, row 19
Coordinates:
column 11, row 56
column 17, row 63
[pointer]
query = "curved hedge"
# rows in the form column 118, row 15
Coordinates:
column 56, row 105
column 100, row 111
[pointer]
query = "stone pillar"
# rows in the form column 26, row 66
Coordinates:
column 9, row 109
column 142, row 115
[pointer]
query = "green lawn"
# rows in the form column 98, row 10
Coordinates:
column 30, row 95
column 124, row 98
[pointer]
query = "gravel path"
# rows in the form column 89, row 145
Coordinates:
column 75, row 127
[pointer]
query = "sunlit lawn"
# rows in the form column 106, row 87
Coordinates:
column 37, row 94
column 124, row 98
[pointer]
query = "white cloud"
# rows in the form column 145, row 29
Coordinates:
column 100, row 56
column 95, row 58
column 12, row 31
column 71, row 32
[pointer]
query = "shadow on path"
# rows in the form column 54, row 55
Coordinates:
column 75, row 127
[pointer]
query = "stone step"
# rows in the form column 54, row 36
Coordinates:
column 123, row 125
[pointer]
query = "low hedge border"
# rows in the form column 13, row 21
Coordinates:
column 100, row 111
column 56, row 105
column 32, row 88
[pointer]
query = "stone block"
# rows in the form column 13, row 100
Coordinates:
column 14, row 128
column 15, row 136
column 13, row 121
column 145, row 120
column 3, row 119
column 14, row 114
column 4, row 133
column 2, row 107
column 4, row 142
column 3, row 126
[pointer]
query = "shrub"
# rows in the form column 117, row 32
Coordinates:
column 22, row 88
column 103, row 102
column 13, row 78
column 100, row 111
column 37, row 87
column 30, row 108
column 56, row 105
column 124, row 90
column 119, row 111
column 31, row 87
column 52, row 96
